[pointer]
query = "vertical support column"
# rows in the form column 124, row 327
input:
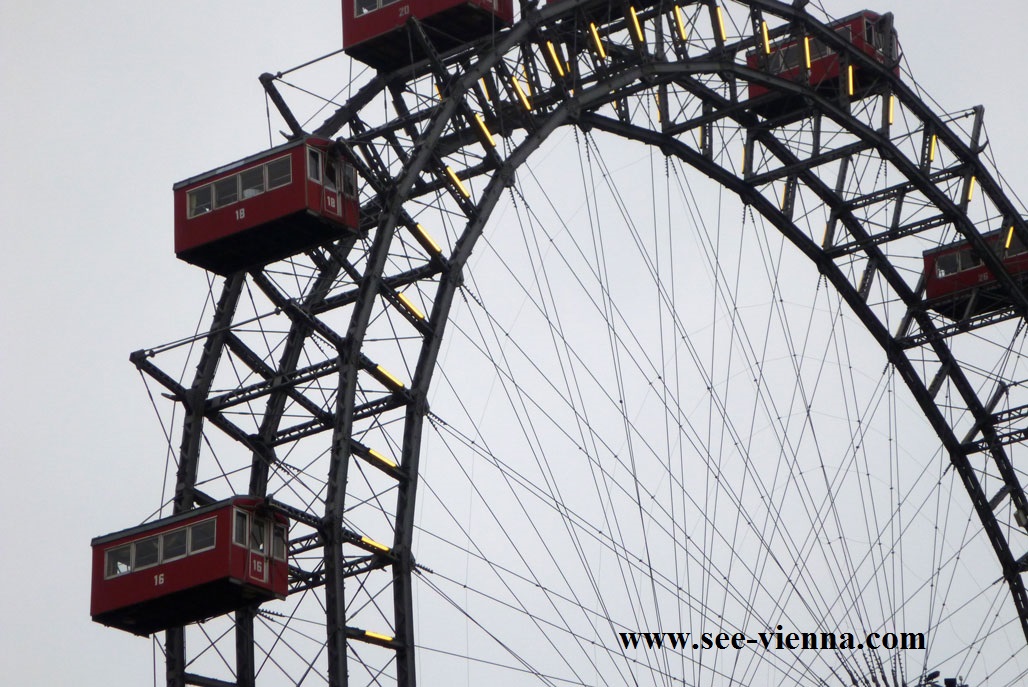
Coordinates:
column 888, row 111
column 332, row 524
column 969, row 179
column 707, row 134
column 788, row 203
column 192, row 437
column 717, row 23
column 175, row 657
column 759, row 27
column 245, row 660
column 867, row 279
column 748, row 149
column 192, row 425
column 402, row 540
column 929, row 145
column 833, row 217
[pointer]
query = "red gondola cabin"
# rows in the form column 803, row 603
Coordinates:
column 374, row 30
column 190, row 566
column 871, row 33
column 266, row 207
column 959, row 285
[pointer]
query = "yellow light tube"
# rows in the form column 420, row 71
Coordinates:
column 892, row 108
column 970, row 189
column 375, row 635
column 407, row 303
column 382, row 459
column 427, row 241
column 485, row 89
column 656, row 97
column 388, row 378
column 553, row 57
column 767, row 40
column 485, row 130
column 931, row 149
column 439, row 93
column 1010, row 238
column 721, row 24
column 520, row 93
column 374, row 544
column 457, row 182
column 680, row 23
column 849, row 77
column 597, row 43
column 806, row 51
column 636, row 26
column 785, row 194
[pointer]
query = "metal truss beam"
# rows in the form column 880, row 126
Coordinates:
column 421, row 137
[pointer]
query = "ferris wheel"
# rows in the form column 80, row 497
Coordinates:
column 674, row 343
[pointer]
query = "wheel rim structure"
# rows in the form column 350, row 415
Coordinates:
column 317, row 369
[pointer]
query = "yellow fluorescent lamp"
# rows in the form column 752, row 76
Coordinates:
column 931, row 148
column 521, row 93
column 1010, row 237
column 680, row 24
column 407, row 303
column 849, row 76
column 374, row 544
column 806, row 51
column 970, row 189
column 721, row 24
column 457, row 182
column 597, row 43
column 636, row 26
column 377, row 636
column 388, row 378
column 485, row 130
column 767, row 40
column 554, row 59
column 785, row 195
column 382, row 459
column 426, row 240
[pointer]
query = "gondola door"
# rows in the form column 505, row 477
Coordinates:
column 332, row 202
column 259, row 554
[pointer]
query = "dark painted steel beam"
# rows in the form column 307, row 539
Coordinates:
column 268, row 82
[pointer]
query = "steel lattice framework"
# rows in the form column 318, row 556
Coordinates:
column 322, row 363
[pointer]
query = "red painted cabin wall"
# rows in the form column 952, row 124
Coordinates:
column 269, row 226
column 824, row 70
column 377, row 37
column 195, row 587
column 950, row 294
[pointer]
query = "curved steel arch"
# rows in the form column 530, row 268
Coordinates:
column 405, row 158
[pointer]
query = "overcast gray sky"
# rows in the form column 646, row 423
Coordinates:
column 105, row 105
